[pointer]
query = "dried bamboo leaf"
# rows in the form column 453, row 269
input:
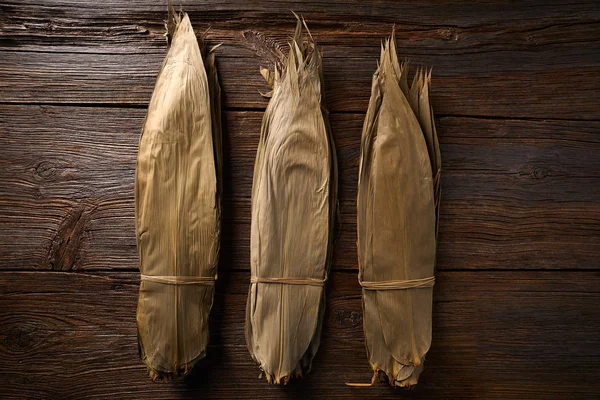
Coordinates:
column 265, row 47
column 294, row 197
column 178, row 206
column 398, row 195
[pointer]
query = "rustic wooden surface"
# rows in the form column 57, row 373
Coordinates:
column 516, row 92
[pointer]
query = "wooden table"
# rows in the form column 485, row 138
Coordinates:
column 516, row 94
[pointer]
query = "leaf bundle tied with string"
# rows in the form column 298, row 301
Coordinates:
column 293, row 211
column 178, row 206
column 398, row 202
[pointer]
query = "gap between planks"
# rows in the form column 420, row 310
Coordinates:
column 261, row 109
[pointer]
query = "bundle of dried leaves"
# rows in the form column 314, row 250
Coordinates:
column 294, row 198
column 398, row 198
column 178, row 205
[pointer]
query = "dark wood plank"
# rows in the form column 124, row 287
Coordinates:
column 496, row 335
column 33, row 28
column 517, row 194
column 449, row 12
column 516, row 88
column 128, row 79
column 78, row 52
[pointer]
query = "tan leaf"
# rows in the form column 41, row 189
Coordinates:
column 178, row 206
column 294, row 197
column 397, row 198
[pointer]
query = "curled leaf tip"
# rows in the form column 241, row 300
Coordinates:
column 215, row 47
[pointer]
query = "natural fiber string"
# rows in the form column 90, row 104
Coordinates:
column 400, row 284
column 290, row 281
column 373, row 380
column 180, row 280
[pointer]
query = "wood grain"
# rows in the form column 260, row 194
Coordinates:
column 66, row 335
column 517, row 194
column 127, row 79
column 505, row 69
column 516, row 92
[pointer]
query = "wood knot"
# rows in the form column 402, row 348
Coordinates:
column 44, row 171
column 531, row 39
column 65, row 244
column 22, row 337
column 531, row 171
column 449, row 34
column 347, row 318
